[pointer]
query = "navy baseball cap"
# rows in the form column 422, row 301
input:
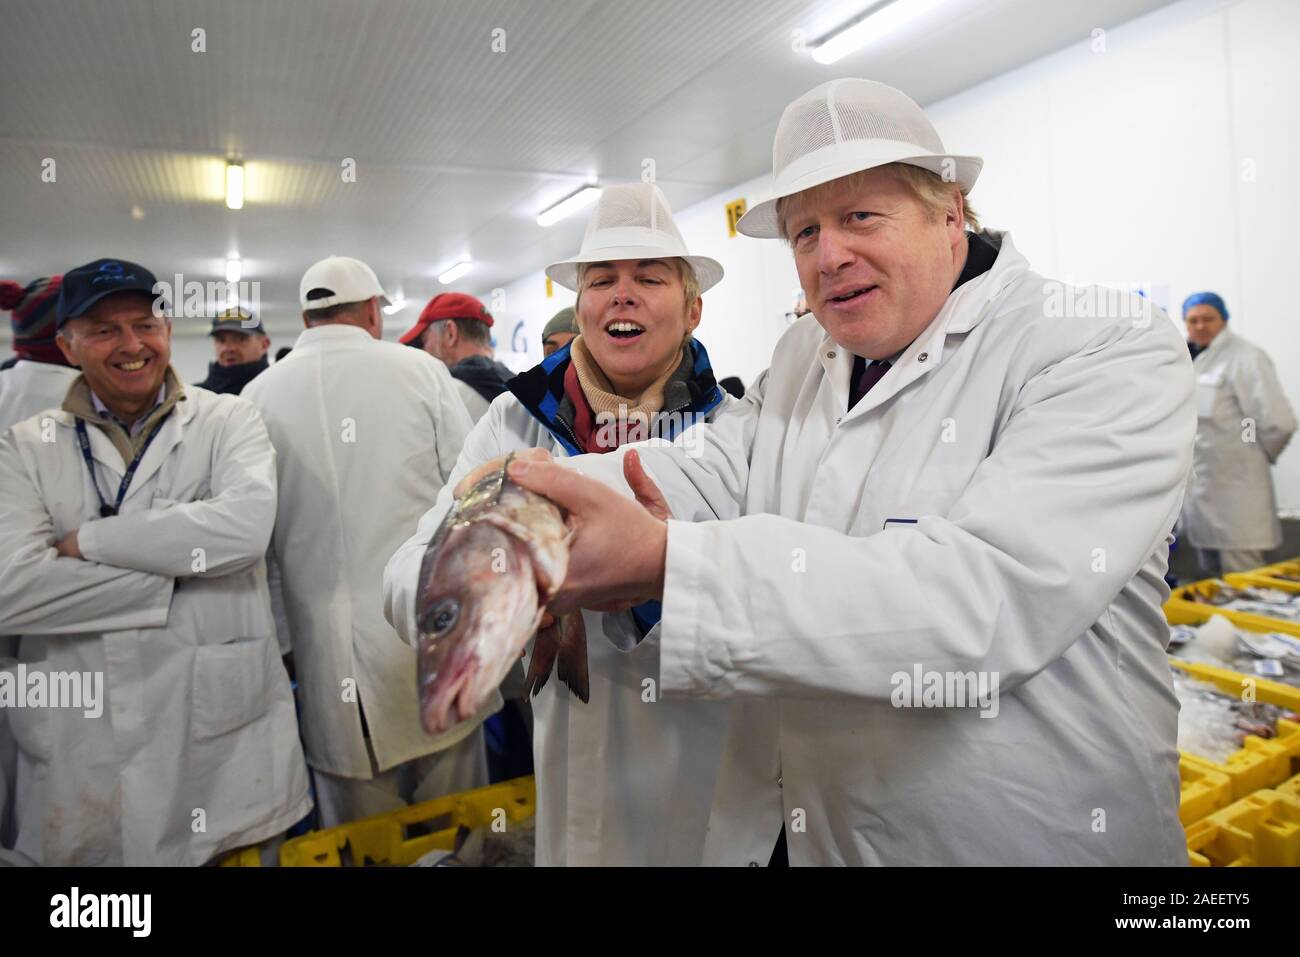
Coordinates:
column 237, row 319
column 86, row 285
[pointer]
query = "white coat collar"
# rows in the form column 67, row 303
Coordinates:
column 1220, row 344
column 964, row 309
column 328, row 332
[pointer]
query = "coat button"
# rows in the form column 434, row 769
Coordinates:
column 830, row 355
column 922, row 357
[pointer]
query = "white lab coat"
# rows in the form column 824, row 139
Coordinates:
column 1243, row 423
column 366, row 433
column 626, row 779
column 26, row 388
column 1043, row 461
column 475, row 404
column 29, row 387
column 196, row 751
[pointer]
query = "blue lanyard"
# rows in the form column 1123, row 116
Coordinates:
column 106, row 510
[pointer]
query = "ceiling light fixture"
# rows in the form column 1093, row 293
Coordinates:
column 873, row 24
column 234, row 269
column 455, row 272
column 568, row 206
column 234, row 185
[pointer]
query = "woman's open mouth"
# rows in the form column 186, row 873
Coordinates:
column 622, row 329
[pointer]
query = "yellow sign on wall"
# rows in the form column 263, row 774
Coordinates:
column 735, row 209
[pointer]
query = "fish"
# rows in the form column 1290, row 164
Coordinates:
column 500, row 554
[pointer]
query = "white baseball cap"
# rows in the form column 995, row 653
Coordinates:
column 845, row 126
column 633, row 221
column 336, row 280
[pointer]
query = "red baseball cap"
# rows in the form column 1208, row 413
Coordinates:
column 447, row 305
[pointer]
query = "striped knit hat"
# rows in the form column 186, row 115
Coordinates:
column 32, row 318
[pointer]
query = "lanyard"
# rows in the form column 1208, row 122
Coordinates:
column 106, row 510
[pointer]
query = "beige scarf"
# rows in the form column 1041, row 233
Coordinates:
column 79, row 403
column 604, row 400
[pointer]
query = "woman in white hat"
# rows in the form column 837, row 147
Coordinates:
column 625, row 778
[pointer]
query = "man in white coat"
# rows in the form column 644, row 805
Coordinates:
column 456, row 328
column 1243, row 423
column 936, row 586
column 134, row 522
column 366, row 433
column 36, row 378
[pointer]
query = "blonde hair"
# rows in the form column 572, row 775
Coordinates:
column 690, row 281
column 930, row 190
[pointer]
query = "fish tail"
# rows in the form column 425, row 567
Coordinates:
column 545, row 646
column 572, row 658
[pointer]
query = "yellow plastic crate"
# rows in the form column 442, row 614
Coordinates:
column 1234, row 682
column 1204, row 789
column 1291, row 787
column 1262, row 830
column 400, row 838
column 245, row 857
column 1181, row 610
column 1260, row 762
column 1268, row 576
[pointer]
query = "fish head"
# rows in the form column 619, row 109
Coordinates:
column 477, row 607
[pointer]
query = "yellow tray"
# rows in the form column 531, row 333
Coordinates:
column 1259, row 762
column 1268, row 575
column 400, row 838
column 1180, row 610
column 1204, row 789
column 1291, row 787
column 246, row 857
column 1261, row 830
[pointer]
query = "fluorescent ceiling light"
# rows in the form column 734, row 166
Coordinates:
column 455, row 272
column 568, row 206
column 234, row 185
column 878, row 22
column 397, row 305
column 234, row 270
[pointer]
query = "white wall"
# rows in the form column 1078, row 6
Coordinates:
column 1166, row 160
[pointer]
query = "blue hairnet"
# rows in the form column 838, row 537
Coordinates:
column 1208, row 299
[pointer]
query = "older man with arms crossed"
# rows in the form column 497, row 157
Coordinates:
column 133, row 525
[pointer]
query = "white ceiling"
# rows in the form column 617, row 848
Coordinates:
column 457, row 147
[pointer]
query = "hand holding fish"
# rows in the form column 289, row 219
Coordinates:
column 499, row 559
column 618, row 546
column 495, row 465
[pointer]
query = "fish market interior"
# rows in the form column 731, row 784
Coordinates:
column 599, row 433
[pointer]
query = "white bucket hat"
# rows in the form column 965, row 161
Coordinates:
column 843, row 127
column 633, row 221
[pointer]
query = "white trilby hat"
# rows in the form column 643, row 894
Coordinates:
column 338, row 279
column 633, row 221
column 846, row 126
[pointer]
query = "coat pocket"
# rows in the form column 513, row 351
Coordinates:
column 1209, row 387
column 31, row 730
column 230, row 686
